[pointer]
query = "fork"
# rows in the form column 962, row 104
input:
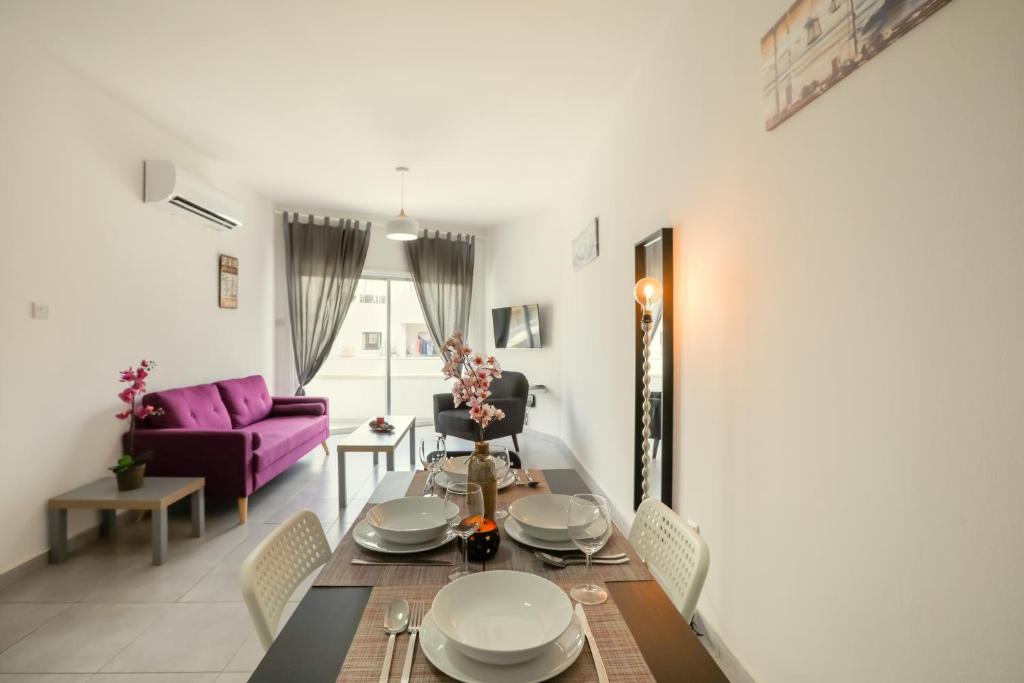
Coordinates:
column 416, row 613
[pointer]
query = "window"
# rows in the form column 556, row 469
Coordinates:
column 813, row 27
column 371, row 341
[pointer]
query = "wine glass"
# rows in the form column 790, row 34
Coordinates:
column 432, row 455
column 468, row 499
column 502, row 466
column 590, row 527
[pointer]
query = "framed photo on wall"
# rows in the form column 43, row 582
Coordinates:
column 228, row 281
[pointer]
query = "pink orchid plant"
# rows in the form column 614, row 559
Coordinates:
column 135, row 379
column 473, row 374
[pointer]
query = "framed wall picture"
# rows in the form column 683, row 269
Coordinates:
column 585, row 246
column 228, row 281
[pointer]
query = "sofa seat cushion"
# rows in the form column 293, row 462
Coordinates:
column 196, row 407
column 279, row 436
column 247, row 399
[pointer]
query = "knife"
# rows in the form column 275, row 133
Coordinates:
column 401, row 563
column 602, row 674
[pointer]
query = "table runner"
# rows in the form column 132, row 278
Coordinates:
column 622, row 657
column 339, row 570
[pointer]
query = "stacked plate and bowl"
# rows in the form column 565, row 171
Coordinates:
column 456, row 468
column 501, row 627
column 541, row 521
column 406, row 525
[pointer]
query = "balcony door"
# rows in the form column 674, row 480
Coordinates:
column 383, row 360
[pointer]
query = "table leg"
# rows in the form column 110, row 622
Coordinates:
column 108, row 523
column 158, row 529
column 197, row 500
column 376, row 458
column 57, row 527
column 412, row 446
column 342, row 497
column 391, row 460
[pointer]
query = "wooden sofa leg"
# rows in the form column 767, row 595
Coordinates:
column 243, row 510
column 327, row 451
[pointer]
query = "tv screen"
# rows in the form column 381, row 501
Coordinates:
column 517, row 327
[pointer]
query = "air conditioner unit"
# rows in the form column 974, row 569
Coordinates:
column 165, row 182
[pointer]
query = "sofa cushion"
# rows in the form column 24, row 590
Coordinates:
column 247, row 399
column 279, row 436
column 293, row 409
column 196, row 407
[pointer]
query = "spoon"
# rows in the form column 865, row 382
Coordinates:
column 565, row 562
column 395, row 621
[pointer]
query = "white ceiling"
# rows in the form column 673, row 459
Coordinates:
column 495, row 106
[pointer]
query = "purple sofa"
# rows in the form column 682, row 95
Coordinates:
column 233, row 433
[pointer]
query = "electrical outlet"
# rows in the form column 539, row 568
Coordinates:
column 40, row 311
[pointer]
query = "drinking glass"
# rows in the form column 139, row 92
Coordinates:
column 432, row 455
column 502, row 466
column 469, row 502
column 590, row 527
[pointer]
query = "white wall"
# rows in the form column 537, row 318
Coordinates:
column 124, row 280
column 849, row 316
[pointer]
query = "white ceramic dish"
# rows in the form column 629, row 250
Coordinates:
column 515, row 531
column 367, row 537
column 556, row 657
column 442, row 480
column 411, row 520
column 544, row 516
column 501, row 617
column 456, row 468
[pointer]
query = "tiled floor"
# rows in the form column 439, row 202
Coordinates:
column 107, row 615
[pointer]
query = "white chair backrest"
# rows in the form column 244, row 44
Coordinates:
column 278, row 565
column 674, row 552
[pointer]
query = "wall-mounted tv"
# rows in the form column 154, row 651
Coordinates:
column 517, row 327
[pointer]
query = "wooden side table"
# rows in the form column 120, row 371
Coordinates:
column 156, row 494
column 366, row 440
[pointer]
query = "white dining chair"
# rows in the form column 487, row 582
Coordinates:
column 272, row 572
column 674, row 552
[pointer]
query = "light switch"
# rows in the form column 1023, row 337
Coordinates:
column 40, row 311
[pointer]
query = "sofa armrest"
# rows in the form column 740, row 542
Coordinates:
column 443, row 402
column 300, row 400
column 223, row 457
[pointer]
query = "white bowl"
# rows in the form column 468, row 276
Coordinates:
column 457, row 468
column 544, row 516
column 501, row 617
column 412, row 520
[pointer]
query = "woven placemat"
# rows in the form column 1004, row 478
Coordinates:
column 622, row 658
column 339, row 570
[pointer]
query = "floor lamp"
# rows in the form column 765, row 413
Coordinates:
column 647, row 293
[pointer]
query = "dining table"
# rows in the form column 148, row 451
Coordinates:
column 329, row 622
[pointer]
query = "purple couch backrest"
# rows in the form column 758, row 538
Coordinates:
column 247, row 399
column 197, row 407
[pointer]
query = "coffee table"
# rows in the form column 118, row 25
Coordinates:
column 364, row 439
column 156, row 494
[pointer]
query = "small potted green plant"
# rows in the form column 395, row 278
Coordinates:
column 130, row 468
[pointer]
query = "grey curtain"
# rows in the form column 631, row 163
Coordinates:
column 323, row 265
column 442, row 273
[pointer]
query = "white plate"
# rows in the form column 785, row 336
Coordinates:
column 442, row 479
column 515, row 530
column 367, row 537
column 411, row 520
column 558, row 657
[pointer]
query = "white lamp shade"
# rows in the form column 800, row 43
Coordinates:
column 403, row 228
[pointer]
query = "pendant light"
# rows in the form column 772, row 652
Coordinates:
column 402, row 227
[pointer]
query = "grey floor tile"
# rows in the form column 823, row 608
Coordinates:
column 44, row 678
column 251, row 653
column 71, row 581
column 187, row 637
column 154, row 678
column 18, row 619
column 148, row 583
column 81, row 639
column 233, row 678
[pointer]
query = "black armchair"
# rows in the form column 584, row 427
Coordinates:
column 509, row 393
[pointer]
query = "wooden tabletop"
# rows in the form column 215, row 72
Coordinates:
column 365, row 439
column 312, row 645
column 156, row 493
